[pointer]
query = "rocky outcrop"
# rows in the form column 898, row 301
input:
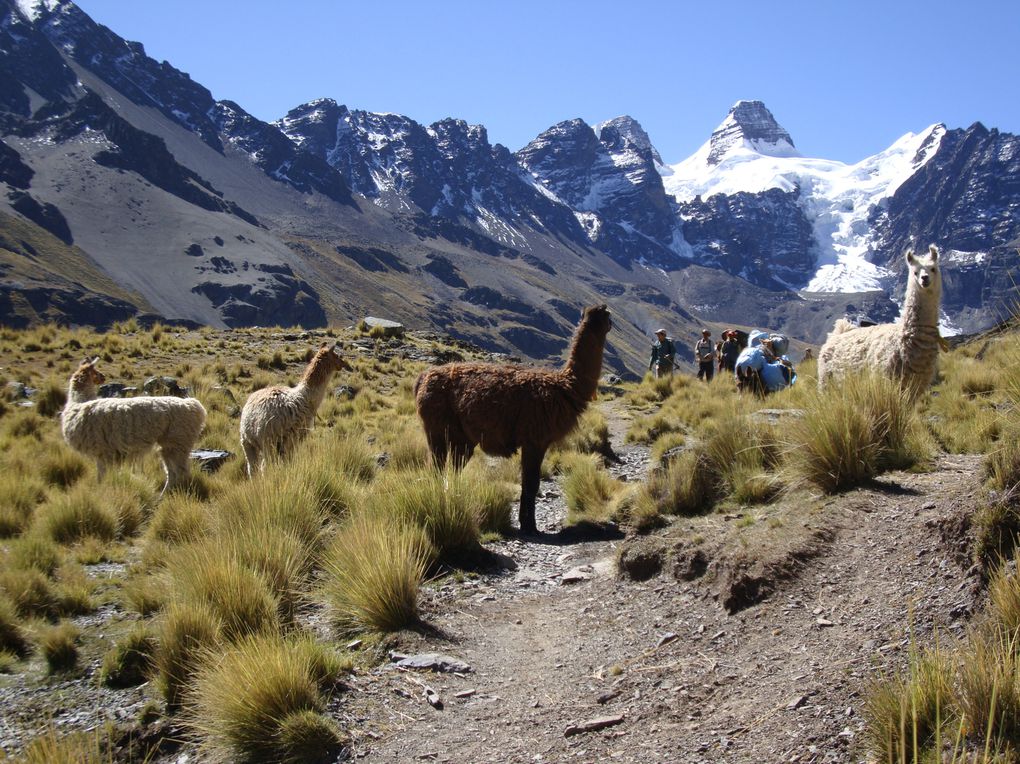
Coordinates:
column 764, row 238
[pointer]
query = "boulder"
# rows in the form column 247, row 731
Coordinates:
column 387, row 327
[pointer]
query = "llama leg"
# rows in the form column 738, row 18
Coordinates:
column 251, row 458
column 531, row 473
column 461, row 452
column 438, row 447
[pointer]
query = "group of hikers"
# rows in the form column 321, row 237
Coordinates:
column 757, row 359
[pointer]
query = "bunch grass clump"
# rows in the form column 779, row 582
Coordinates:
column 12, row 635
column 373, row 570
column 185, row 633
column 278, row 500
column 34, row 552
column 19, row 496
column 51, row 747
column 852, row 432
column 445, row 505
column 905, row 713
column 130, row 661
column 588, row 490
column 178, row 519
column 73, row 516
column 240, row 597
column 59, row 646
column 260, row 701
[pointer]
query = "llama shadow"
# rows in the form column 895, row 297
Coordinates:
column 891, row 488
column 579, row 533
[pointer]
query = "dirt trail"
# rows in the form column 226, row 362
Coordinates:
column 678, row 678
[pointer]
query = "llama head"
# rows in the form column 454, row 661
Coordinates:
column 598, row 317
column 329, row 358
column 87, row 376
column 924, row 271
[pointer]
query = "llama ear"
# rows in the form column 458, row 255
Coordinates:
column 934, row 252
column 911, row 260
column 94, row 361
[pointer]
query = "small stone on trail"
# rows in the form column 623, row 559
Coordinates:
column 576, row 575
column 665, row 639
column 465, row 693
column 592, row 725
column 824, row 622
column 431, row 662
column 354, row 645
column 796, row 703
column 433, row 698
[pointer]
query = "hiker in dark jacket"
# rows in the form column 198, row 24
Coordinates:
column 663, row 353
column 729, row 351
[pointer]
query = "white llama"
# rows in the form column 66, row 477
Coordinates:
column 906, row 350
column 111, row 430
column 275, row 418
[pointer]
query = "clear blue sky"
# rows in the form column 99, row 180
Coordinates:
column 845, row 78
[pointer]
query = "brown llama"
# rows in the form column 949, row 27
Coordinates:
column 502, row 408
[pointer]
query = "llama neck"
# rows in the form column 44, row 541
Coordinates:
column 920, row 309
column 584, row 365
column 312, row 386
column 80, row 392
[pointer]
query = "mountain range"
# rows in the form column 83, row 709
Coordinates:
column 128, row 190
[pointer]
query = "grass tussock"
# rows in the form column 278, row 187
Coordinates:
column 589, row 490
column 131, row 660
column 13, row 638
column 185, row 633
column 78, row 514
column 59, row 646
column 178, row 519
column 446, row 506
column 19, row 496
column 905, row 714
column 373, row 570
column 260, row 701
column 207, row 574
column 52, row 747
column 277, row 500
column 853, row 432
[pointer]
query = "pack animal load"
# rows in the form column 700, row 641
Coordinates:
column 763, row 367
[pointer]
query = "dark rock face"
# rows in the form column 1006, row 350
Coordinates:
column 62, row 306
column 13, row 171
column 445, row 271
column 278, row 298
column 277, row 156
column 764, row 238
column 44, row 215
column 611, row 175
column 447, row 171
column 373, row 258
column 964, row 199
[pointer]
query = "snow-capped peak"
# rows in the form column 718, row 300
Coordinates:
column 750, row 153
column 750, row 125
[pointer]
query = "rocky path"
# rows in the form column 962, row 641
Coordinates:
column 569, row 663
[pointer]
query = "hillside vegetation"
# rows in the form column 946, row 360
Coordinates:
column 230, row 615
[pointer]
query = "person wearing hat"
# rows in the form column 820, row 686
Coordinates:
column 663, row 353
column 704, row 354
column 729, row 352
